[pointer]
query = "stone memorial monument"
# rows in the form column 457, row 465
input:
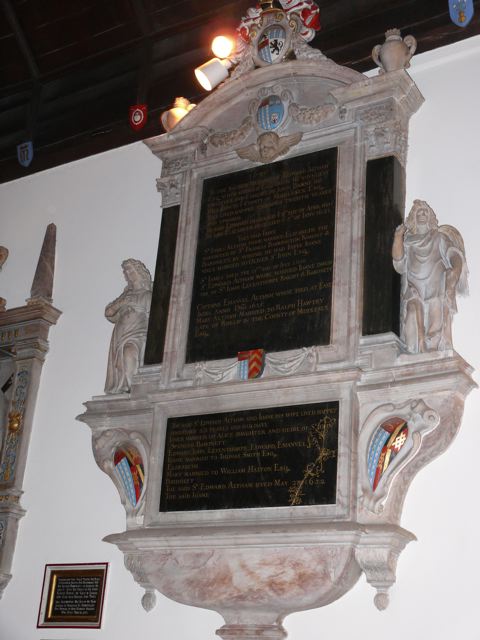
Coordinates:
column 293, row 382
column 23, row 348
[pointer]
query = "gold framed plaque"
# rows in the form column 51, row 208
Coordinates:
column 73, row 596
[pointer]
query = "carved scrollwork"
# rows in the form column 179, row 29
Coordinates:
column 379, row 565
column 172, row 166
column 420, row 420
column 171, row 188
column 377, row 113
column 390, row 138
column 110, row 444
column 311, row 115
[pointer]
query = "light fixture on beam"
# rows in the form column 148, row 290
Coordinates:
column 213, row 72
column 222, row 47
column 172, row 117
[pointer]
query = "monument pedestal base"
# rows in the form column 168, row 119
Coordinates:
column 251, row 632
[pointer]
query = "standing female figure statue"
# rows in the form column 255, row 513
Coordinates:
column 129, row 313
column 432, row 262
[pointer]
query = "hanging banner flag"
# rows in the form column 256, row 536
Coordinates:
column 251, row 363
column 461, row 11
column 138, row 116
column 25, row 153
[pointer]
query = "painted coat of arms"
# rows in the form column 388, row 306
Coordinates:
column 461, row 11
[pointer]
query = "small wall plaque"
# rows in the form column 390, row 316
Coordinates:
column 73, row 595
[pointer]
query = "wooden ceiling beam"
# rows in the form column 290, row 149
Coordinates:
column 21, row 39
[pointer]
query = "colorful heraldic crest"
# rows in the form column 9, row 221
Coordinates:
column 129, row 467
column 271, row 45
column 270, row 113
column 251, row 363
column 461, row 11
column 386, row 444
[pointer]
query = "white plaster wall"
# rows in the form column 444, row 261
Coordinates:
column 106, row 209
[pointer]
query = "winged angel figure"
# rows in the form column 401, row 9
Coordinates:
column 432, row 261
column 269, row 147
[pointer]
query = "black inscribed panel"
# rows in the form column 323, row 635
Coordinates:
column 283, row 456
column 384, row 205
column 264, row 262
column 162, row 286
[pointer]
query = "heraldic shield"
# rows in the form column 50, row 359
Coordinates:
column 270, row 113
column 25, row 153
column 271, row 47
column 461, row 11
column 272, row 39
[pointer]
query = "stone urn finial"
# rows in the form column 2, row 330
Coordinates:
column 395, row 53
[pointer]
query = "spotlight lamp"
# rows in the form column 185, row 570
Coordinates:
column 222, row 47
column 213, row 72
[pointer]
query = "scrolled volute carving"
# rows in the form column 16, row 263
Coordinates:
column 389, row 440
column 379, row 565
column 123, row 455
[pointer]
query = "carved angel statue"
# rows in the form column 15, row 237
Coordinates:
column 432, row 262
column 129, row 313
column 269, row 146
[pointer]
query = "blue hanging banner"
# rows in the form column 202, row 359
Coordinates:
column 25, row 153
column 461, row 11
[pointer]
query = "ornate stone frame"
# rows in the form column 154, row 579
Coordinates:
column 233, row 561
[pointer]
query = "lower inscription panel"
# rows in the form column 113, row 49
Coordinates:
column 275, row 457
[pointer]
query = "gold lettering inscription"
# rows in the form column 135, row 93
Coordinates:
column 210, row 458
column 266, row 248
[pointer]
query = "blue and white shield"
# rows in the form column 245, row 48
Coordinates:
column 25, row 153
column 270, row 113
column 461, row 11
column 271, row 46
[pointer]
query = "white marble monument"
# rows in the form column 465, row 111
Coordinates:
column 296, row 122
